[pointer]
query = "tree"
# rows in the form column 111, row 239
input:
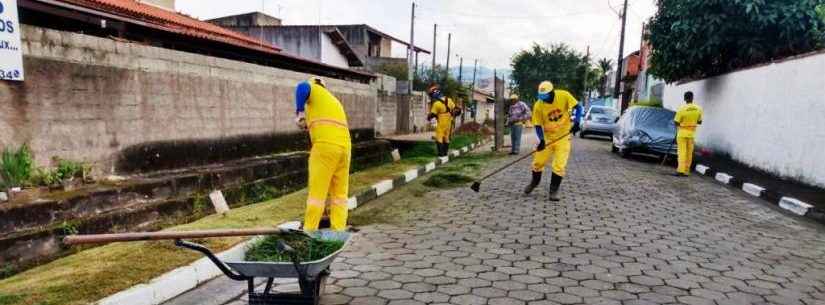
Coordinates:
column 605, row 64
column 449, row 87
column 700, row 38
column 397, row 70
column 559, row 64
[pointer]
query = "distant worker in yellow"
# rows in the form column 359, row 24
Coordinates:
column 329, row 159
column 554, row 129
column 443, row 109
column 688, row 118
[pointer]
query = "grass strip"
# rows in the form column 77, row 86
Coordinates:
column 92, row 274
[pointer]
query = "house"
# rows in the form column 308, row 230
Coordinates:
column 155, row 23
column 483, row 106
column 357, row 45
column 630, row 72
column 648, row 87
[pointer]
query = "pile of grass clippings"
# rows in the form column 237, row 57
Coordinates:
column 308, row 248
column 447, row 180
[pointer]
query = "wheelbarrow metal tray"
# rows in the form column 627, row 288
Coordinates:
column 287, row 269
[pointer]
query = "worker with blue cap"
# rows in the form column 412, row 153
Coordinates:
column 318, row 111
column 551, row 117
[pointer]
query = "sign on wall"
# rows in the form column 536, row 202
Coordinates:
column 11, row 53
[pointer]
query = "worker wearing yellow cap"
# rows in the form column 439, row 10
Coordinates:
column 443, row 109
column 551, row 117
column 688, row 118
column 329, row 159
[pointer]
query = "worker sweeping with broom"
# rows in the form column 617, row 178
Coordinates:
column 551, row 117
column 443, row 109
column 318, row 111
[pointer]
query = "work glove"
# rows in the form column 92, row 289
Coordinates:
column 576, row 128
column 301, row 120
column 541, row 146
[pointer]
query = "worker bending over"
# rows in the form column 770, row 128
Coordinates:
column 443, row 110
column 551, row 117
column 688, row 118
column 329, row 158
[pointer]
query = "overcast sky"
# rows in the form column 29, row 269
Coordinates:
column 489, row 30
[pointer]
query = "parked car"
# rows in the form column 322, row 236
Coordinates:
column 645, row 130
column 599, row 120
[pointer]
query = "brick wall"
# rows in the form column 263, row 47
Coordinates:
column 92, row 99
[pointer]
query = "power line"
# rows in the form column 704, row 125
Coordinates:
column 462, row 14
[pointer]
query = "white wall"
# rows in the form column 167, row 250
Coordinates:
column 770, row 117
column 330, row 54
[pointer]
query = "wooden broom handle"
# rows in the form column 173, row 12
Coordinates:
column 165, row 235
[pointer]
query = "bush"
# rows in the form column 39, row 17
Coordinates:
column 16, row 167
column 647, row 103
column 65, row 170
column 699, row 38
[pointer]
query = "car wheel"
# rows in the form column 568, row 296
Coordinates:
column 581, row 134
column 624, row 152
column 614, row 149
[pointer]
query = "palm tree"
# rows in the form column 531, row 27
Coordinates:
column 605, row 64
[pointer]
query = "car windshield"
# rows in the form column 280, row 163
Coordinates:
column 604, row 112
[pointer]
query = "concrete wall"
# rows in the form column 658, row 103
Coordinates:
column 388, row 113
column 768, row 117
column 93, row 99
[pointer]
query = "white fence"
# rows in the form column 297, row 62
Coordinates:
column 770, row 117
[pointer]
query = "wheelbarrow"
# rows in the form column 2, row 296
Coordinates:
column 311, row 275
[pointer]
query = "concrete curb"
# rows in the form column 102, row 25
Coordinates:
column 183, row 279
column 783, row 201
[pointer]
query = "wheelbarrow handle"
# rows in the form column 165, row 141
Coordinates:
column 167, row 235
column 208, row 253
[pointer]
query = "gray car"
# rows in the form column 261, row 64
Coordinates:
column 599, row 120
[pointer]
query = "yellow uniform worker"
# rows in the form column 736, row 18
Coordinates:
column 443, row 110
column 688, row 118
column 551, row 117
column 329, row 159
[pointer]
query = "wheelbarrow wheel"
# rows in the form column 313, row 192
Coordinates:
column 320, row 287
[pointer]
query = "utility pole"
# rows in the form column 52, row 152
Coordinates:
column 447, row 70
column 461, row 85
column 586, row 95
column 411, row 51
column 473, row 87
column 617, row 90
column 432, row 70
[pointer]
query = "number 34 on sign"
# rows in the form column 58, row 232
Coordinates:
column 11, row 54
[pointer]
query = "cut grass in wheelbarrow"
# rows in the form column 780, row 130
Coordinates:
column 307, row 249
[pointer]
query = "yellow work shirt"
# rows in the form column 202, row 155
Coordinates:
column 554, row 117
column 326, row 118
column 688, row 116
column 443, row 113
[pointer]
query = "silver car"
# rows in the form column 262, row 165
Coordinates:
column 599, row 120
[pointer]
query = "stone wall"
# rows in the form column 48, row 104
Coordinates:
column 127, row 107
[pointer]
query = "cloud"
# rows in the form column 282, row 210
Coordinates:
column 489, row 30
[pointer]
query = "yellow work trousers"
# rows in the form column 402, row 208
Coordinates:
column 685, row 146
column 560, row 151
column 442, row 132
column 328, row 178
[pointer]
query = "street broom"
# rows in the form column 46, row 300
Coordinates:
column 476, row 186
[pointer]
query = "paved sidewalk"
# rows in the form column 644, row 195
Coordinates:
column 624, row 233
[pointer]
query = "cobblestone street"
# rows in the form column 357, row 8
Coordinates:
column 624, row 233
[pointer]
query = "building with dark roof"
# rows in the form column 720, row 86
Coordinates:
column 355, row 45
column 154, row 23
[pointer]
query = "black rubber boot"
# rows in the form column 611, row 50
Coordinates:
column 442, row 149
column 533, row 183
column 438, row 149
column 555, row 183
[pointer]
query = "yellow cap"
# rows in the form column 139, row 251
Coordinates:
column 513, row 96
column 545, row 87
